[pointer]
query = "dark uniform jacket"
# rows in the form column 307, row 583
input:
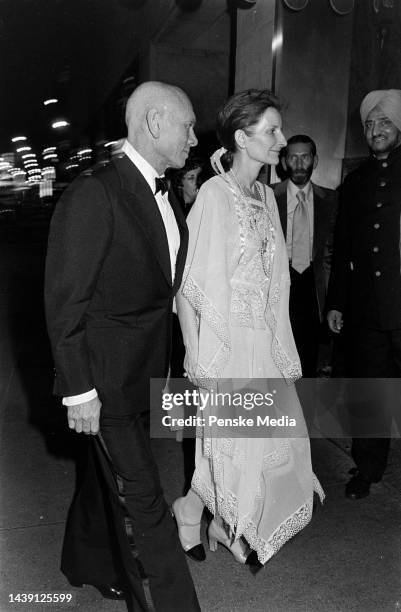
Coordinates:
column 365, row 282
column 325, row 205
column 109, row 291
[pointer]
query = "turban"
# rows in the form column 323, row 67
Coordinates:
column 389, row 101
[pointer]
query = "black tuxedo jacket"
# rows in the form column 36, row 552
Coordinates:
column 108, row 289
column 325, row 206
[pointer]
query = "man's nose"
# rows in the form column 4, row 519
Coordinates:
column 375, row 128
column 193, row 141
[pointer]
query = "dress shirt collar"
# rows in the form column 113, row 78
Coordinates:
column 293, row 189
column 144, row 167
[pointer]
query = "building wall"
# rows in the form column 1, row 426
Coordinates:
column 203, row 74
column 255, row 31
column 308, row 69
column 313, row 81
column 192, row 51
column 376, row 63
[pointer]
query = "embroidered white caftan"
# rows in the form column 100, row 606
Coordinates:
column 237, row 281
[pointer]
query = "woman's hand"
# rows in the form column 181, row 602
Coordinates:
column 191, row 365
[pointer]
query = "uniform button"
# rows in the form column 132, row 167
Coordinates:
column 379, row 204
column 382, row 183
column 378, row 273
column 376, row 225
column 375, row 249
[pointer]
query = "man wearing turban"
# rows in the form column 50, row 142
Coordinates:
column 365, row 285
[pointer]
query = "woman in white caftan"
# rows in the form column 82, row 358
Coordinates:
column 233, row 309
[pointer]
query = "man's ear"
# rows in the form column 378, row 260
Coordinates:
column 284, row 163
column 153, row 122
column 239, row 136
column 315, row 161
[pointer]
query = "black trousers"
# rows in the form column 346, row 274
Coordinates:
column 177, row 350
column 304, row 317
column 374, row 354
column 119, row 527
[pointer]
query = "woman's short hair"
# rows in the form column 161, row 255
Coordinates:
column 191, row 164
column 176, row 175
column 240, row 112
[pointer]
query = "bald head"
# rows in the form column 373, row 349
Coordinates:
column 152, row 94
column 160, row 122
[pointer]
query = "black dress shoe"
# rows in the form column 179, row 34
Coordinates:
column 197, row 553
column 358, row 487
column 252, row 558
column 109, row 591
column 188, row 533
column 254, row 564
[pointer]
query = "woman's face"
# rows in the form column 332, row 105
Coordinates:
column 265, row 139
column 189, row 185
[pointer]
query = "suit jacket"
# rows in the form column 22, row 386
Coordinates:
column 325, row 206
column 108, row 288
column 365, row 283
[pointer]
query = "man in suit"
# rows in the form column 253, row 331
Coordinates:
column 116, row 254
column 307, row 213
column 365, row 284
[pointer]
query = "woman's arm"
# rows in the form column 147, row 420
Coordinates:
column 189, row 328
column 203, row 301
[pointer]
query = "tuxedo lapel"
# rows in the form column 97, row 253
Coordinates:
column 183, row 229
column 144, row 207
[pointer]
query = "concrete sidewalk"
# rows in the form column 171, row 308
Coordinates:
column 348, row 558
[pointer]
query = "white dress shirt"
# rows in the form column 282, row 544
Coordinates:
column 172, row 232
column 292, row 202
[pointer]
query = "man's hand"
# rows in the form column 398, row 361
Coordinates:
column 335, row 320
column 85, row 417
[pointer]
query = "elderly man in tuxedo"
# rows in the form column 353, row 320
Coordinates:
column 115, row 259
column 307, row 213
column 365, row 284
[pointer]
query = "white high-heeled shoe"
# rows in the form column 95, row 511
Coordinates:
column 188, row 533
column 217, row 534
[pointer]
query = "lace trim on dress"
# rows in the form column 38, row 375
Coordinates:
column 237, row 205
column 279, row 456
column 206, row 376
column 255, row 228
column 247, row 308
column 287, row 530
column 254, row 217
column 317, row 487
column 205, row 309
column 265, row 549
column 291, row 370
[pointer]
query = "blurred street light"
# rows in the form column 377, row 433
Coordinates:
column 60, row 124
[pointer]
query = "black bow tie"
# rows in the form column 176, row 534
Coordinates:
column 161, row 185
